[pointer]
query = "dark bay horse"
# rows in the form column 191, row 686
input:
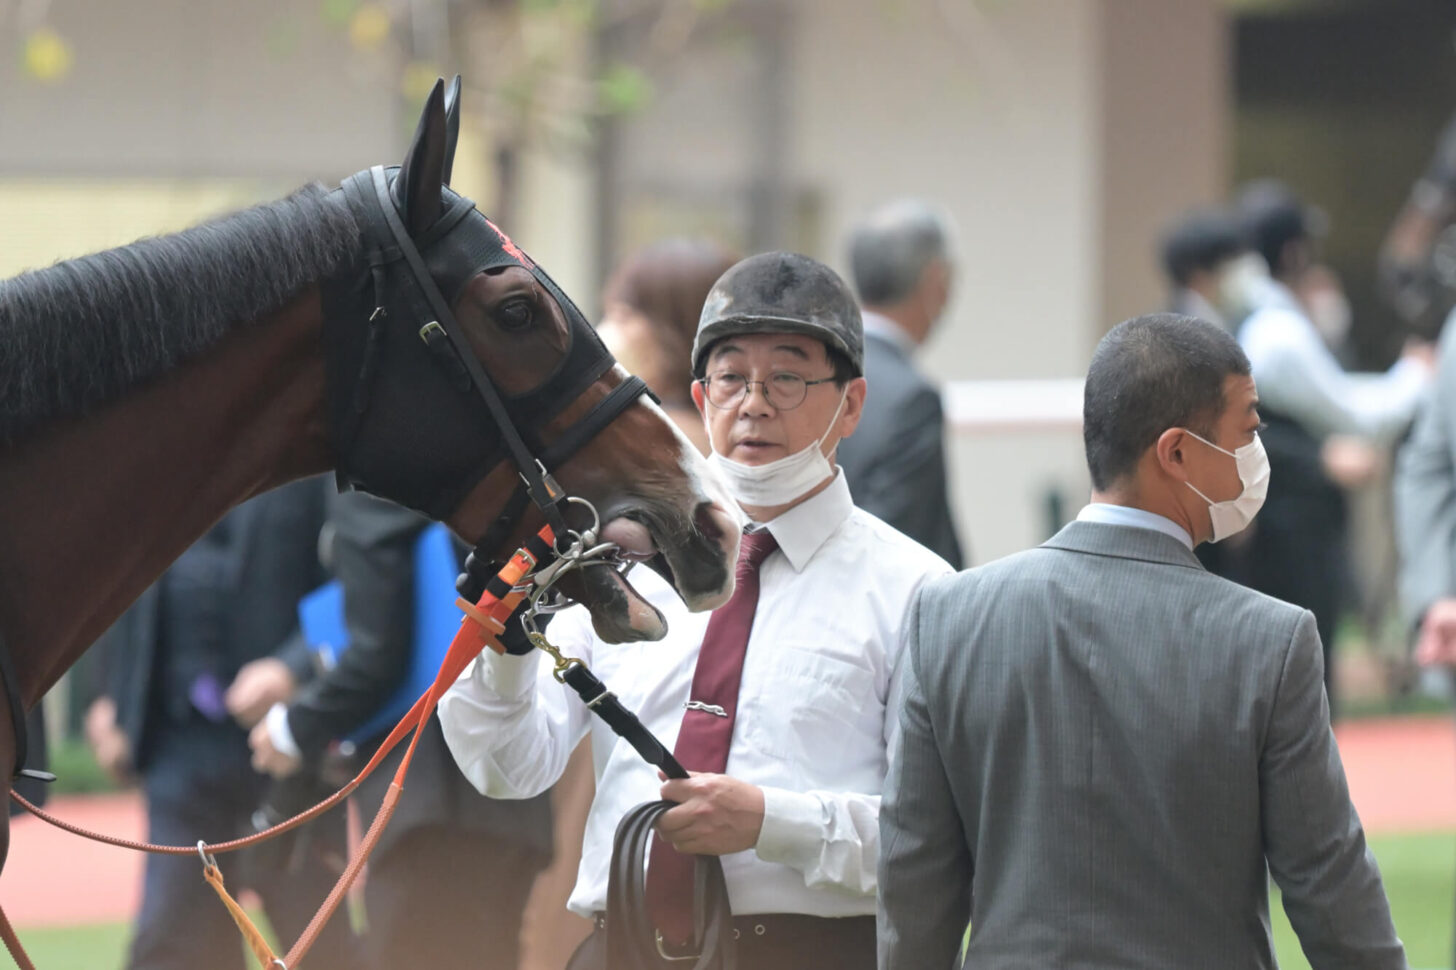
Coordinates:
column 146, row 390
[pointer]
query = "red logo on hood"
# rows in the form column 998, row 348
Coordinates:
column 511, row 247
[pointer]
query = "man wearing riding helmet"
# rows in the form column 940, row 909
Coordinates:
column 777, row 702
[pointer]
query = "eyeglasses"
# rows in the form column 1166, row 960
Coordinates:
column 783, row 390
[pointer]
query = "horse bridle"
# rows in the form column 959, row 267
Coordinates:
column 369, row 196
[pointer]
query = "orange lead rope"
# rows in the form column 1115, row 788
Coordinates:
column 482, row 626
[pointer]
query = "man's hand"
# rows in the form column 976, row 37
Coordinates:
column 1436, row 645
column 1423, row 352
column 716, row 814
column 1350, row 462
column 108, row 742
column 268, row 759
column 258, row 686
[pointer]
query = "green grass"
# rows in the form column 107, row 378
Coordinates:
column 1420, row 879
column 102, row 946
column 93, row 947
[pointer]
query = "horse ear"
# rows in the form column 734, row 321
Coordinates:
column 423, row 173
column 452, row 125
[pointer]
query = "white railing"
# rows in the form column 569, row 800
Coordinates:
column 999, row 407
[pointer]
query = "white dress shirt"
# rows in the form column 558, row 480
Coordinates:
column 1126, row 515
column 812, row 729
column 1299, row 378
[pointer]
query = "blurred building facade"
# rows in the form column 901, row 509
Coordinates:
column 1060, row 134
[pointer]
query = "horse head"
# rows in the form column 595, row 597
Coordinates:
column 457, row 368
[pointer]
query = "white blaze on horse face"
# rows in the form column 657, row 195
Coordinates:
column 710, row 489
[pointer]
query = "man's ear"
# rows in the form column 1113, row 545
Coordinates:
column 1171, row 449
column 855, row 393
column 699, row 399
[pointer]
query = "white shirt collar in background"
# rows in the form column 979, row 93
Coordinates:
column 1134, row 518
column 887, row 329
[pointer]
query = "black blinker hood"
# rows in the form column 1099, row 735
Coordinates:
column 405, row 423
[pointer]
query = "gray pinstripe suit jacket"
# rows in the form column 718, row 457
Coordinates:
column 1102, row 746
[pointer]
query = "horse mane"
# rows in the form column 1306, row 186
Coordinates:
column 84, row 332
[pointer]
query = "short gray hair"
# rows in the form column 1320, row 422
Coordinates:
column 890, row 249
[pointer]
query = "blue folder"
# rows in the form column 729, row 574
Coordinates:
column 321, row 618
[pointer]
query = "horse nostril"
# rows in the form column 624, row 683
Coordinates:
column 708, row 524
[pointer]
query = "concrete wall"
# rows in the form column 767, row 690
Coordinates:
column 201, row 88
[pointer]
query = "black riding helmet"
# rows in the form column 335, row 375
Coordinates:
column 781, row 293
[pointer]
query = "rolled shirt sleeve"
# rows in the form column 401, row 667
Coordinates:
column 831, row 837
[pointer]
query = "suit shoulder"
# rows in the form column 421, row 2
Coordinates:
column 1260, row 608
column 1028, row 570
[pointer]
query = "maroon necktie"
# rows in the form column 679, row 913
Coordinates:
column 707, row 730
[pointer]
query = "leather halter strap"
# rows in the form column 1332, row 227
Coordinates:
column 17, row 708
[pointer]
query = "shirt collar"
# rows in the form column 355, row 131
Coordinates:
column 878, row 325
column 1136, row 518
column 803, row 529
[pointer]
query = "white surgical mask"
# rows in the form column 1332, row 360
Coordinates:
column 778, row 482
column 1233, row 516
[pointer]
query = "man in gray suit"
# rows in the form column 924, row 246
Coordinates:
column 1425, row 515
column 895, row 463
column 1103, row 746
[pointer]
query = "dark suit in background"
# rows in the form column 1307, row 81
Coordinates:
column 895, row 461
column 449, row 880
column 229, row 599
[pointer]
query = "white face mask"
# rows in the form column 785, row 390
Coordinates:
column 778, row 482
column 1233, row 516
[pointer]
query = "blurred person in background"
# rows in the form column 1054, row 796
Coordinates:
column 1312, row 408
column 902, row 268
column 651, row 308
column 193, row 664
column 1425, row 517
column 449, row 877
column 1206, row 261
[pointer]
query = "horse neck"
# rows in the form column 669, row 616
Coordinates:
column 93, row 509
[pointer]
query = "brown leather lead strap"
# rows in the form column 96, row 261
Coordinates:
column 251, row 935
column 12, row 943
column 356, row 865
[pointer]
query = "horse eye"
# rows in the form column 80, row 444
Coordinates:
column 515, row 314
